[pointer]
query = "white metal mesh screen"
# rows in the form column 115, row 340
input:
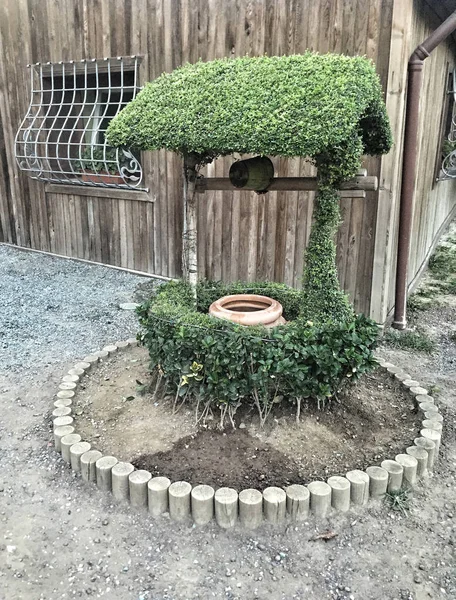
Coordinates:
column 62, row 137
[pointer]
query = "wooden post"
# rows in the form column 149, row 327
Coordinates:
column 190, row 233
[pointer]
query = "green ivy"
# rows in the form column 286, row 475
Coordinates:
column 220, row 363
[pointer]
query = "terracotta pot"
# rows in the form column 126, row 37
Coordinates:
column 248, row 309
column 103, row 178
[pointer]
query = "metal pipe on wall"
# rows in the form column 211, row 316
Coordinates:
column 414, row 81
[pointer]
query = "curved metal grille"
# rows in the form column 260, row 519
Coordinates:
column 62, row 137
column 449, row 160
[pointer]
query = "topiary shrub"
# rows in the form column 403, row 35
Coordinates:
column 217, row 364
column 326, row 107
column 322, row 298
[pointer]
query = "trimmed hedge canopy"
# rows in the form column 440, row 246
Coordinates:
column 302, row 105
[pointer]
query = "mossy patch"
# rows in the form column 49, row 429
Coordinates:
column 410, row 340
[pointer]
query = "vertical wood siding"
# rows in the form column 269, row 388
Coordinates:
column 242, row 235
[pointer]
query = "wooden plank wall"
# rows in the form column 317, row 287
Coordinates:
column 242, row 235
column 435, row 202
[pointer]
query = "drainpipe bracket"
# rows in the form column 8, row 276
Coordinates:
column 415, row 64
column 421, row 52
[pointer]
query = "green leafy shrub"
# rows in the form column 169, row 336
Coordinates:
column 451, row 286
column 448, row 146
column 442, row 263
column 442, row 266
column 218, row 364
column 323, row 299
column 301, row 105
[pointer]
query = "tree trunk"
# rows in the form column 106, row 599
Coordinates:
column 190, row 233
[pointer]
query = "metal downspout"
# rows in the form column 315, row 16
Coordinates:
column 414, row 81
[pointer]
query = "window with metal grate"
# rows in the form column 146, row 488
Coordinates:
column 62, row 137
column 446, row 160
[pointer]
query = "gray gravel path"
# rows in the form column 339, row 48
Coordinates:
column 60, row 539
column 57, row 309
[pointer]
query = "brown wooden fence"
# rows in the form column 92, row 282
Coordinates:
column 242, row 235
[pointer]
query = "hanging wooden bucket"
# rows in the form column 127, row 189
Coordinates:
column 252, row 174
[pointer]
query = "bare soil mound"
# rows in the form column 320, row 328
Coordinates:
column 371, row 420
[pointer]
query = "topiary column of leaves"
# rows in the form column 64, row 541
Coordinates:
column 323, row 299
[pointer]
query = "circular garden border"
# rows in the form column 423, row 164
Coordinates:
column 250, row 507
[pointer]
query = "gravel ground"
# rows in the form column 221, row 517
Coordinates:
column 60, row 539
column 54, row 309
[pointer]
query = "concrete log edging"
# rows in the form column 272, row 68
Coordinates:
column 250, row 507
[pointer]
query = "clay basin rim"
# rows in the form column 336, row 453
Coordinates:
column 248, row 309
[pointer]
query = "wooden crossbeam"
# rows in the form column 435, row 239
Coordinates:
column 289, row 184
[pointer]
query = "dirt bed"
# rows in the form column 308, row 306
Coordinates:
column 372, row 420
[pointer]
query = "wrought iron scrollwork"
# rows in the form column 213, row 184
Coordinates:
column 31, row 161
column 449, row 165
column 131, row 171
